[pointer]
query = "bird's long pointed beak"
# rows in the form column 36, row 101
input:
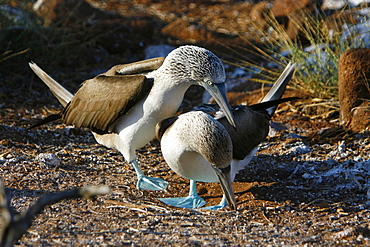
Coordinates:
column 218, row 92
column 226, row 185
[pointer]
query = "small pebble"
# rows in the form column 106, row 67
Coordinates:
column 49, row 159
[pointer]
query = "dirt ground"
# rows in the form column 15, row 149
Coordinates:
column 299, row 190
column 308, row 185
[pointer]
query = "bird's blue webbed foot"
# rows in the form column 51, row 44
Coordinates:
column 185, row 202
column 191, row 201
column 148, row 183
column 222, row 205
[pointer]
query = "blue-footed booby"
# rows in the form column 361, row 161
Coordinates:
column 197, row 147
column 123, row 105
column 253, row 123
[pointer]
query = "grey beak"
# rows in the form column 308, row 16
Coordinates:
column 226, row 185
column 218, row 92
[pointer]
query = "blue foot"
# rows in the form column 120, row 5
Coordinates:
column 191, row 201
column 149, row 183
column 184, row 202
column 223, row 204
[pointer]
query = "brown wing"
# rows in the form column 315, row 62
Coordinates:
column 252, row 128
column 136, row 67
column 101, row 100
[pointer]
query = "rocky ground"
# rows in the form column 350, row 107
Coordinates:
column 308, row 184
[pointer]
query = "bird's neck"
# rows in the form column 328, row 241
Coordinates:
column 165, row 97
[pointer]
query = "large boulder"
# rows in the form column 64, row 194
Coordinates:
column 292, row 14
column 109, row 30
column 67, row 12
column 284, row 8
column 183, row 29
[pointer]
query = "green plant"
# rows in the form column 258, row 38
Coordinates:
column 318, row 59
column 318, row 73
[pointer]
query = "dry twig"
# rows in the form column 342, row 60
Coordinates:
column 16, row 224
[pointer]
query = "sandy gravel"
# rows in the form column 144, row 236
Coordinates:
column 297, row 191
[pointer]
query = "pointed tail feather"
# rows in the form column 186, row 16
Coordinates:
column 270, row 104
column 46, row 120
column 278, row 89
column 62, row 94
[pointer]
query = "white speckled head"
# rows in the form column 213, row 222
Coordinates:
column 191, row 135
column 206, row 136
column 195, row 63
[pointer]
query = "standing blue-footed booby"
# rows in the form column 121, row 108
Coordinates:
column 123, row 105
column 253, row 124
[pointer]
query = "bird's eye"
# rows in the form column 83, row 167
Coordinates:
column 210, row 83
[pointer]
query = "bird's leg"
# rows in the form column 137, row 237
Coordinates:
column 191, row 201
column 147, row 183
column 223, row 204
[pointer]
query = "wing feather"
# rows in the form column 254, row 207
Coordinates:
column 136, row 67
column 101, row 100
column 251, row 131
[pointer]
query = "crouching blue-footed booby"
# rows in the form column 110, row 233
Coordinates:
column 122, row 106
column 197, row 147
column 188, row 157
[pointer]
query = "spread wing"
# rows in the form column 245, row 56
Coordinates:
column 101, row 100
column 136, row 67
